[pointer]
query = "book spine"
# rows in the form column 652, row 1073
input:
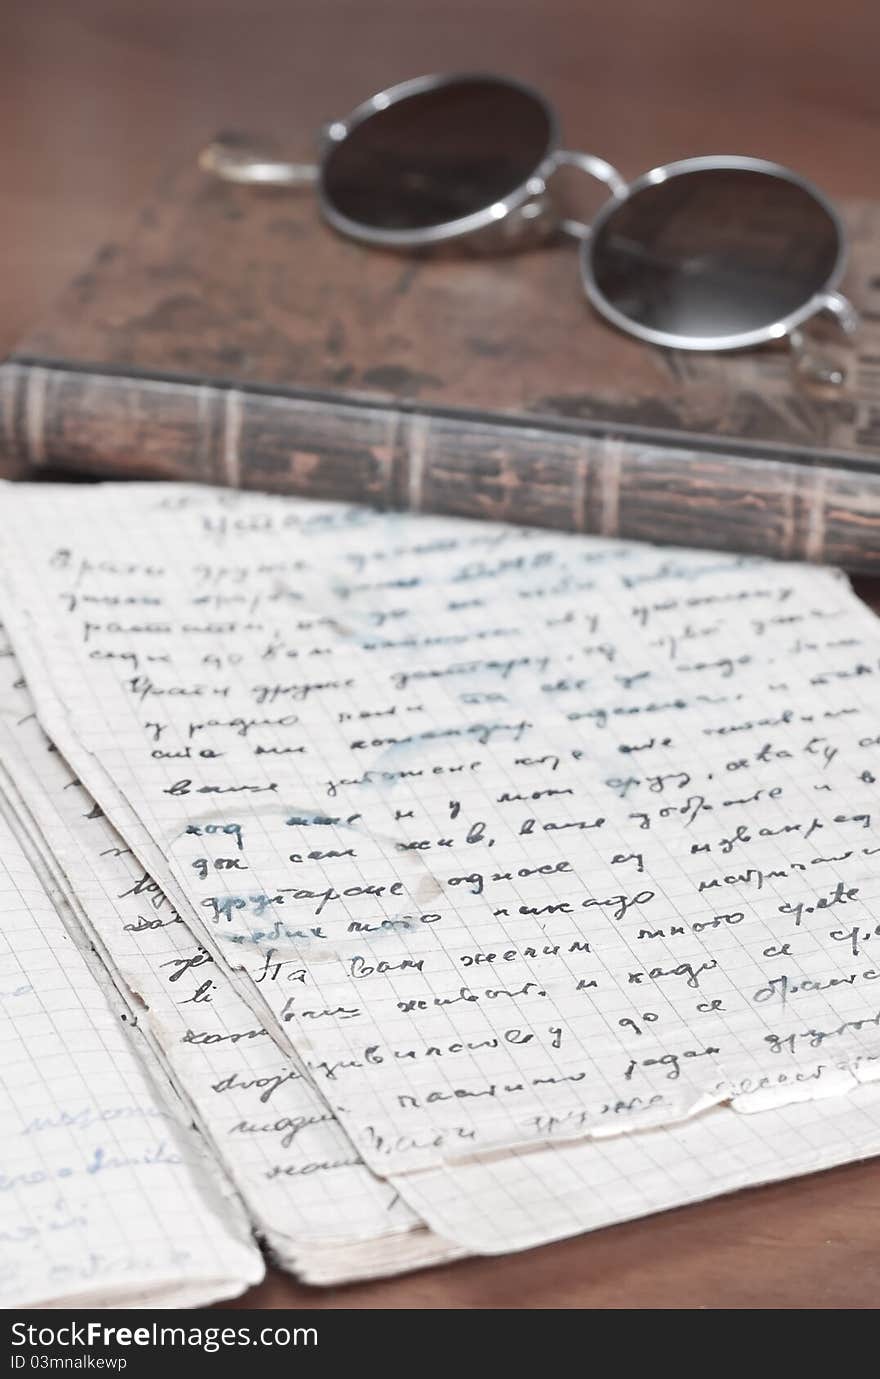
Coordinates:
column 109, row 425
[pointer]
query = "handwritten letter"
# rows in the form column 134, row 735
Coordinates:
column 517, row 838
column 322, row 1212
column 90, row 1144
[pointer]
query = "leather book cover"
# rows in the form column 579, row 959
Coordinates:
column 235, row 338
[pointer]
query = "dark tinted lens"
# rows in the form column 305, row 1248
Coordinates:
column 714, row 253
column 437, row 156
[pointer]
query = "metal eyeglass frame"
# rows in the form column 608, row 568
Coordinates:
column 527, row 213
column 524, row 210
column 826, row 298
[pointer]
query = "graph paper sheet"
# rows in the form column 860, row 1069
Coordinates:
column 528, row 1197
column 321, row 1212
column 544, row 1194
column 105, row 1196
column 568, row 839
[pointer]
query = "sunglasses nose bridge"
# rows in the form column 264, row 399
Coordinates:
column 593, row 166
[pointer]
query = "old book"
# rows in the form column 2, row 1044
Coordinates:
column 236, row 339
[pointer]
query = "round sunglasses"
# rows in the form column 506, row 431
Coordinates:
column 462, row 157
column 709, row 253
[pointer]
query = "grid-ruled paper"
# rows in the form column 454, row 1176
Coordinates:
column 321, row 1211
column 514, row 1202
column 104, row 1195
column 528, row 1197
column 568, row 838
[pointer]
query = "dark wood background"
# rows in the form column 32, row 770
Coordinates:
column 97, row 96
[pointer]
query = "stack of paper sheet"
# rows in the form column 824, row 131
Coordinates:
column 396, row 888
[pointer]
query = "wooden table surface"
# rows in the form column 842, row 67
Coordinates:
column 97, row 95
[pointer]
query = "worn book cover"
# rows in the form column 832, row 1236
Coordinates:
column 235, row 338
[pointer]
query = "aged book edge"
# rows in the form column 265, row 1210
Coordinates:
column 694, row 490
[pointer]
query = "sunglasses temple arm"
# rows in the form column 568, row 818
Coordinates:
column 234, row 161
column 594, row 167
column 812, row 364
column 842, row 309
